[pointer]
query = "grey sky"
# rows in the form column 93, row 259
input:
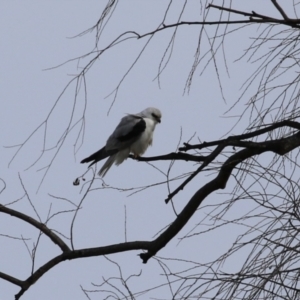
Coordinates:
column 37, row 35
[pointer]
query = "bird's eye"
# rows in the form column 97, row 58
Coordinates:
column 156, row 117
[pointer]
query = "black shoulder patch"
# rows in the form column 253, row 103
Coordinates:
column 136, row 131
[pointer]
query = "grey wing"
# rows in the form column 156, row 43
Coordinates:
column 127, row 132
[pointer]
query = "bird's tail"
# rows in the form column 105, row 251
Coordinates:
column 99, row 155
column 107, row 165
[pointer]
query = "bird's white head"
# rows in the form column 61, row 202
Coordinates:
column 152, row 113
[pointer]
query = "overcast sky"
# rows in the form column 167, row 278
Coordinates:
column 38, row 35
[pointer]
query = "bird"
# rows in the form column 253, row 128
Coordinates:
column 133, row 135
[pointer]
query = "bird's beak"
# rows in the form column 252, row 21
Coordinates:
column 159, row 120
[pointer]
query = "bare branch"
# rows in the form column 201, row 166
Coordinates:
column 11, row 279
column 42, row 227
column 282, row 12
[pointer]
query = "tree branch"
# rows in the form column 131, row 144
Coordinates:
column 42, row 227
column 279, row 8
column 256, row 18
column 239, row 12
column 11, row 279
column 262, row 18
column 171, row 156
column 81, row 253
column 207, row 161
column 288, row 123
column 279, row 146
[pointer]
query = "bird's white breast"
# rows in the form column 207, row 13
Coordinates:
column 140, row 146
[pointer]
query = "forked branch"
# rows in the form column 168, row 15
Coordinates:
column 250, row 149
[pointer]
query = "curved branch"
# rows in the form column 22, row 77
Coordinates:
column 279, row 146
column 42, row 227
column 81, row 253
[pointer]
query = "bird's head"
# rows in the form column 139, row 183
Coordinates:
column 152, row 113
